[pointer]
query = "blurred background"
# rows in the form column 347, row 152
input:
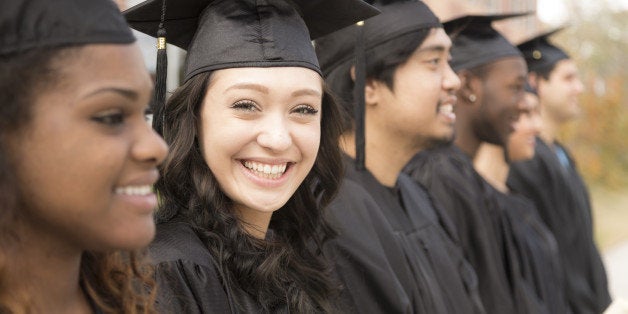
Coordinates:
column 597, row 38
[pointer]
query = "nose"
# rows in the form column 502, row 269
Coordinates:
column 451, row 82
column 579, row 87
column 274, row 134
column 149, row 147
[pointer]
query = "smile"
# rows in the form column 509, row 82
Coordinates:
column 266, row 171
column 141, row 190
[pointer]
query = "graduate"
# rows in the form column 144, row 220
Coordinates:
column 552, row 180
column 77, row 160
column 397, row 93
column 537, row 250
column 254, row 158
column 492, row 73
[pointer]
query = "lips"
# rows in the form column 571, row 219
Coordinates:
column 138, row 190
column 447, row 110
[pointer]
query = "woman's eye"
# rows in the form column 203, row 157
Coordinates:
column 244, row 105
column 113, row 119
column 305, row 110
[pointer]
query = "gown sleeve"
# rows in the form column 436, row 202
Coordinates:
column 185, row 272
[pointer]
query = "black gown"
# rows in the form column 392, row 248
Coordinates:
column 563, row 203
column 440, row 279
column 188, row 279
column 538, row 256
column 468, row 200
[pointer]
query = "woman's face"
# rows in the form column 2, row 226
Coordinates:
column 260, row 133
column 522, row 141
column 87, row 159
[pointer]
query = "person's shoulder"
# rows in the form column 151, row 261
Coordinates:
column 177, row 241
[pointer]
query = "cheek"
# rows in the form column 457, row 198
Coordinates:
column 307, row 139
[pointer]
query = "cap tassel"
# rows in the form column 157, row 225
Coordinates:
column 161, row 74
column 359, row 111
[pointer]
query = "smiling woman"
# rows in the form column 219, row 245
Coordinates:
column 254, row 157
column 78, row 161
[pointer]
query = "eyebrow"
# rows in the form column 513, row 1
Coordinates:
column 126, row 93
column 265, row 90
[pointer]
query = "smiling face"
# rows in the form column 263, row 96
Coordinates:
column 87, row 159
column 522, row 141
column 559, row 93
column 420, row 107
column 500, row 98
column 260, row 133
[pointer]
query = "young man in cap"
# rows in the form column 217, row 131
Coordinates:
column 552, row 180
column 493, row 73
column 404, row 97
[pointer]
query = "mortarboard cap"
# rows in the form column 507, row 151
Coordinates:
column 222, row 34
column 29, row 24
column 476, row 42
column 397, row 18
column 539, row 52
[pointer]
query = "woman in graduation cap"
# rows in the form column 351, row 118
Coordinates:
column 77, row 160
column 254, row 158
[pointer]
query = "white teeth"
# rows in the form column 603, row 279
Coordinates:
column 135, row 190
column 265, row 170
column 446, row 109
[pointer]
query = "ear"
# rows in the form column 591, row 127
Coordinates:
column 371, row 89
column 469, row 85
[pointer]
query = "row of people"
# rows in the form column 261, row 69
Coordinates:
column 367, row 173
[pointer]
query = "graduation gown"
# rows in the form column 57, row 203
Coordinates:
column 457, row 189
column 440, row 279
column 366, row 258
column 563, row 203
column 188, row 279
column 537, row 253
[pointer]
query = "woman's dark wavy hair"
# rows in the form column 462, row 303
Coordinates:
column 117, row 282
column 288, row 267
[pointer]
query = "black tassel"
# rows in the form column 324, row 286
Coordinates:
column 358, row 91
column 161, row 74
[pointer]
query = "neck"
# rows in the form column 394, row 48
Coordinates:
column 46, row 270
column 384, row 158
column 254, row 222
column 465, row 138
column 550, row 127
column 491, row 164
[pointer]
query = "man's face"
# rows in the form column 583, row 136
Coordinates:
column 559, row 93
column 499, row 100
column 419, row 109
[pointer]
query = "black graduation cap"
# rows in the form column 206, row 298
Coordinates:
column 350, row 46
column 540, row 53
column 28, row 24
column 476, row 42
column 222, row 34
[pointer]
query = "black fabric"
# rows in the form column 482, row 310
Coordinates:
column 456, row 188
column 221, row 34
column 188, row 278
column 538, row 257
column 563, row 203
column 439, row 278
column 540, row 53
column 28, row 24
column 366, row 256
column 475, row 42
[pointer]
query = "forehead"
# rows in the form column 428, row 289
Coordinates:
column 297, row 77
column 565, row 67
column 100, row 64
column 437, row 40
column 508, row 68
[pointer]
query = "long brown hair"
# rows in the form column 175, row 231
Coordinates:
column 287, row 269
column 117, row 282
